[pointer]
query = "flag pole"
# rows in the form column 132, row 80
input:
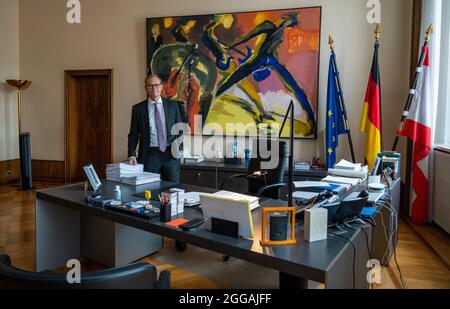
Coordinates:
column 341, row 96
column 414, row 86
column 377, row 45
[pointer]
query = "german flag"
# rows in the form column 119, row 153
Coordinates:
column 371, row 115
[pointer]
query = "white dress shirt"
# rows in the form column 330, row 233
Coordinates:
column 152, row 121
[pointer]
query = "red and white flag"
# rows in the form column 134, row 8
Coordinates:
column 418, row 128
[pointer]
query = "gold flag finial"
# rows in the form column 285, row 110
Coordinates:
column 429, row 33
column 378, row 32
column 331, row 42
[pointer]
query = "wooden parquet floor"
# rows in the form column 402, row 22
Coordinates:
column 423, row 252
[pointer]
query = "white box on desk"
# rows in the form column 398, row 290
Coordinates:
column 316, row 224
column 177, row 200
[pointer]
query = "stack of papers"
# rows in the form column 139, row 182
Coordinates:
column 194, row 159
column 252, row 200
column 342, row 180
column 351, row 170
column 130, row 174
column 141, row 179
column 304, row 195
column 311, row 184
column 345, row 165
column 318, row 186
column 115, row 172
column 302, row 166
column 191, row 199
column 299, row 166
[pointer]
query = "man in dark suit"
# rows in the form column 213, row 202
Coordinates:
column 151, row 124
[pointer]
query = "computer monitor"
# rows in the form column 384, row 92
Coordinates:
column 92, row 177
column 350, row 209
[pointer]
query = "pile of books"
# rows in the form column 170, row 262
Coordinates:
column 130, row 174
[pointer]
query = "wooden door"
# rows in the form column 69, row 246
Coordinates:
column 88, row 122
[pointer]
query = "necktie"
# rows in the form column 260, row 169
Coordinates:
column 160, row 130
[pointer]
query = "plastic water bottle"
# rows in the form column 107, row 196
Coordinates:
column 247, row 156
column 117, row 194
column 234, row 146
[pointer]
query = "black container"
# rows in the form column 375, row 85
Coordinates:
column 165, row 214
column 25, row 162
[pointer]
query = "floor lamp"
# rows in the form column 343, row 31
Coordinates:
column 24, row 138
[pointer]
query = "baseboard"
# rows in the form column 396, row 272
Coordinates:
column 9, row 171
column 48, row 171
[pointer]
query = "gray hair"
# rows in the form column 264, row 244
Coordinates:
column 152, row 75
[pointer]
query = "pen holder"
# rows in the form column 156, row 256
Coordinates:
column 165, row 214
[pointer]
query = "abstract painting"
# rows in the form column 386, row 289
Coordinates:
column 240, row 71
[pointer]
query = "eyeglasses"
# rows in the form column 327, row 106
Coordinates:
column 152, row 85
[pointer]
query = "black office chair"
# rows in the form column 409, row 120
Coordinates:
column 133, row 276
column 266, row 183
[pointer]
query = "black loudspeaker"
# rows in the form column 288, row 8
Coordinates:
column 278, row 227
column 25, row 161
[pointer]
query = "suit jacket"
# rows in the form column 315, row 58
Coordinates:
column 140, row 127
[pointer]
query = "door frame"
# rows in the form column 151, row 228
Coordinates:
column 68, row 126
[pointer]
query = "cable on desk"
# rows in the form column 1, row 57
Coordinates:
column 367, row 243
column 354, row 255
column 368, row 248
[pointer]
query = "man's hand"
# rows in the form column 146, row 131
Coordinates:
column 132, row 161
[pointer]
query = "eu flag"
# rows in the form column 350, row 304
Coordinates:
column 335, row 115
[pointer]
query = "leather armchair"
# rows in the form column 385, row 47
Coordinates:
column 133, row 276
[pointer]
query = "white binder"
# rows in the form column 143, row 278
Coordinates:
column 228, row 209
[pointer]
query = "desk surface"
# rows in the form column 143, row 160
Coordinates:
column 306, row 260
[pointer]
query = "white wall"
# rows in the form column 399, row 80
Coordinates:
column 112, row 35
column 9, row 69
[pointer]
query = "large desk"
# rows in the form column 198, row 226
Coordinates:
column 67, row 228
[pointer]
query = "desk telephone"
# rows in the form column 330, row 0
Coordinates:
column 338, row 211
column 324, row 197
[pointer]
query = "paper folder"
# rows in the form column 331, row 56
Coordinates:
column 228, row 209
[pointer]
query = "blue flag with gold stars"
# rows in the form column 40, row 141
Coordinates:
column 335, row 115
